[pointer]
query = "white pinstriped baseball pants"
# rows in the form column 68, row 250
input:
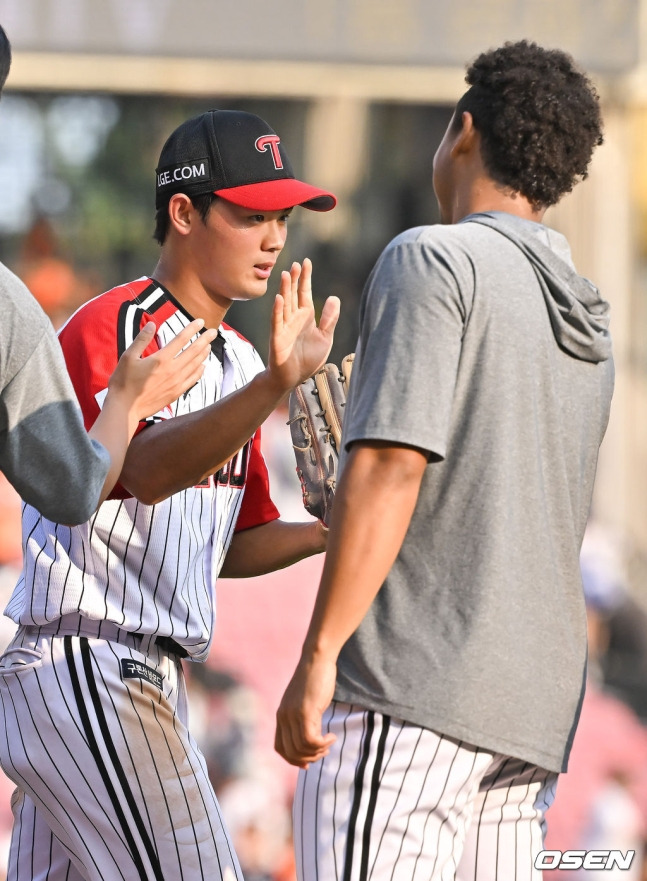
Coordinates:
column 111, row 785
column 396, row 802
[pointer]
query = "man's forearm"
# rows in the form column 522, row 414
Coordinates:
column 375, row 500
column 173, row 455
column 272, row 546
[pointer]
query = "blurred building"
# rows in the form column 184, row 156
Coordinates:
column 361, row 91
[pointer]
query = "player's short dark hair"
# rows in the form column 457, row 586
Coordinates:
column 538, row 116
column 201, row 203
column 5, row 57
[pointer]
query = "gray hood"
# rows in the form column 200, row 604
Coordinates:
column 578, row 315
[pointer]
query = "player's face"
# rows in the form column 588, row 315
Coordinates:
column 235, row 249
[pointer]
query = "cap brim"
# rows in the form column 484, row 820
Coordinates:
column 274, row 195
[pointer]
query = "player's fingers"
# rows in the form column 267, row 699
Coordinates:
column 286, row 733
column 285, row 290
column 187, row 378
column 313, row 742
column 283, row 747
column 304, row 288
column 305, row 735
column 198, row 350
column 174, row 346
column 141, row 341
column 302, row 757
column 287, row 748
column 330, row 315
column 309, row 757
column 189, row 366
column 293, row 302
column 276, row 321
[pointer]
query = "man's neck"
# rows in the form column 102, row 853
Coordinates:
column 487, row 196
column 190, row 294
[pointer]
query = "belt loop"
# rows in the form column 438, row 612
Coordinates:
column 168, row 644
column 146, row 640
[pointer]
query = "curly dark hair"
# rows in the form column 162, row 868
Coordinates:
column 538, row 116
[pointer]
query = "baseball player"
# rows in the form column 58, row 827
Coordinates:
column 45, row 451
column 442, row 674
column 110, row 783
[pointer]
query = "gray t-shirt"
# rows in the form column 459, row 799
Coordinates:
column 45, row 451
column 484, row 348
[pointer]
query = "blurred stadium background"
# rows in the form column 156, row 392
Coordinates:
column 360, row 92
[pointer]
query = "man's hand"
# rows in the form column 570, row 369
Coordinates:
column 298, row 347
column 140, row 386
column 299, row 738
column 146, row 385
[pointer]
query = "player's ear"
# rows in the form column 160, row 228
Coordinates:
column 467, row 137
column 181, row 213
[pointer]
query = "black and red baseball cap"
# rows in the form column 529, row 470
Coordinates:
column 237, row 156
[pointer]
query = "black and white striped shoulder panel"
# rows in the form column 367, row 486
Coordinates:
column 152, row 301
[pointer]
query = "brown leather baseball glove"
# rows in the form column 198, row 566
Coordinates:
column 316, row 409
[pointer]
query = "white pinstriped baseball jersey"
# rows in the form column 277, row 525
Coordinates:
column 148, row 569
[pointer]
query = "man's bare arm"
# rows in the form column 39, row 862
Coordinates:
column 375, row 500
column 272, row 546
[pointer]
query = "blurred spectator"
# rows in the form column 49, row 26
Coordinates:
column 253, row 796
column 224, row 721
column 54, row 282
column 620, row 656
column 623, row 664
column 259, row 823
column 601, row 802
column 603, row 571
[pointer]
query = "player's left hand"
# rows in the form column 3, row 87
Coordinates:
column 298, row 345
column 299, row 738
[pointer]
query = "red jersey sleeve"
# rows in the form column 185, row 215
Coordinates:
column 257, row 507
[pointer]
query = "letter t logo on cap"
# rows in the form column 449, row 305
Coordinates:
column 271, row 141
